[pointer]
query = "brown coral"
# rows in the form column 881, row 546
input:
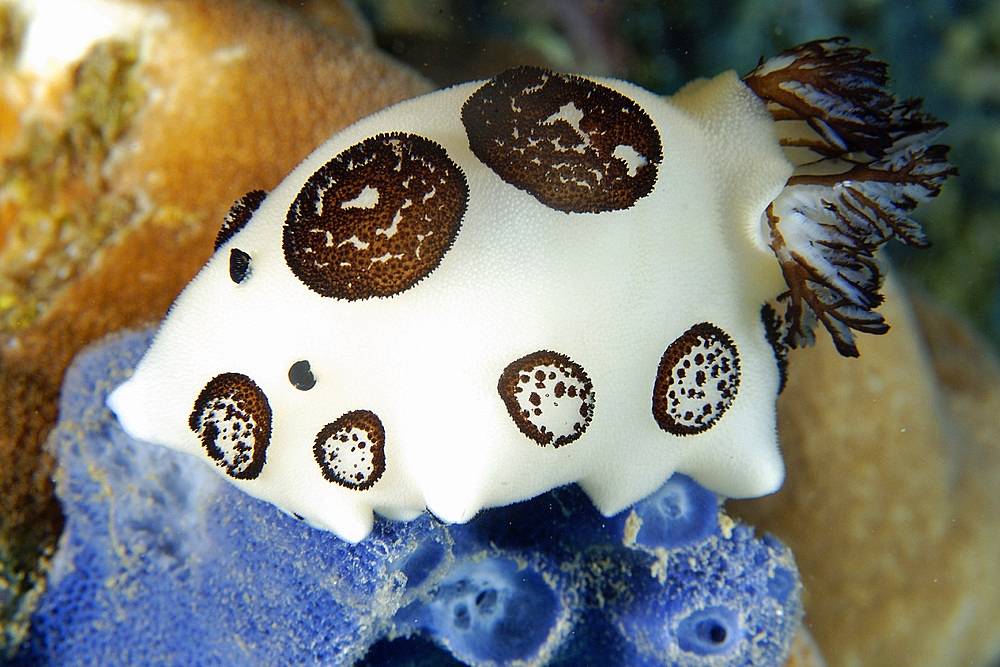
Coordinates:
column 218, row 110
column 890, row 502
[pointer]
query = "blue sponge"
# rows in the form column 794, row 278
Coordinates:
column 681, row 512
column 492, row 611
column 708, row 632
column 163, row 562
column 729, row 598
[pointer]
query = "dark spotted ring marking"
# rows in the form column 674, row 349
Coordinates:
column 239, row 215
column 351, row 450
column 574, row 145
column 697, row 380
column 549, row 397
column 233, row 419
column 376, row 219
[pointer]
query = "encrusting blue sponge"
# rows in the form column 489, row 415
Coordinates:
column 681, row 512
column 728, row 599
column 163, row 562
column 492, row 611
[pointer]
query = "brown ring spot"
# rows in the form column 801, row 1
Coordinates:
column 574, row 145
column 239, row 215
column 697, row 380
column 233, row 419
column 351, row 450
column 549, row 397
column 376, row 219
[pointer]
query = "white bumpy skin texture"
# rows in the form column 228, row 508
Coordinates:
column 484, row 293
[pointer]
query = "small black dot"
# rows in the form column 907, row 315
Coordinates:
column 239, row 265
column 301, row 376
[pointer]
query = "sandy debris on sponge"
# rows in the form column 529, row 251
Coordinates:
column 805, row 652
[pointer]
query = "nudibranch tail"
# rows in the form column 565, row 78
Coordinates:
column 863, row 162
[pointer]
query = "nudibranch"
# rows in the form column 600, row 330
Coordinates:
column 478, row 295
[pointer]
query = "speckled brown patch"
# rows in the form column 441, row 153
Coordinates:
column 351, row 450
column 233, row 419
column 697, row 380
column 573, row 144
column 239, row 265
column 376, row 219
column 239, row 215
column 549, row 397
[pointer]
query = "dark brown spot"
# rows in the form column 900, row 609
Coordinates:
column 376, row 219
column 239, row 265
column 563, row 405
column 338, row 462
column 774, row 329
column 685, row 407
column 574, row 145
column 301, row 375
column 239, row 215
column 233, row 419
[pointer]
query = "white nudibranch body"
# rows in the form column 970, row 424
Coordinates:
column 478, row 295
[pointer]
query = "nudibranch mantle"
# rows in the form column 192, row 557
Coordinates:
column 483, row 293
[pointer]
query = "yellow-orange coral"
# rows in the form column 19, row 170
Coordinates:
column 890, row 504
column 219, row 111
column 222, row 93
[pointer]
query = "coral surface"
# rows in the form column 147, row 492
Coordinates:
column 891, row 502
column 161, row 561
column 133, row 147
